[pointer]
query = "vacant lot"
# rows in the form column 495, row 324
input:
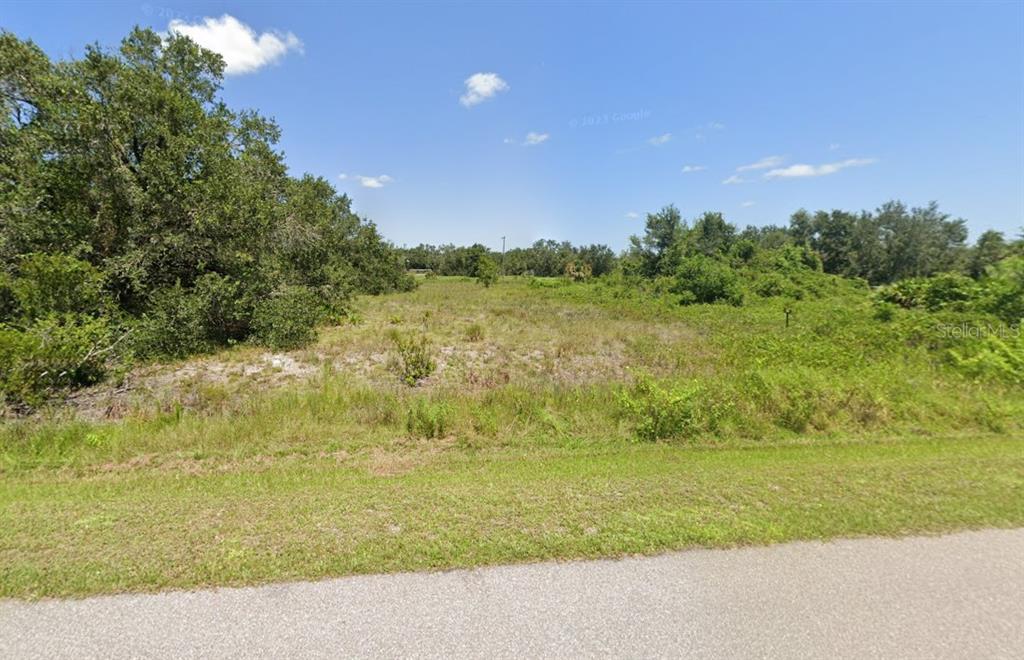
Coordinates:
column 559, row 420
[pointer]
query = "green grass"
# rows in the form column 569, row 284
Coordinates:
column 531, row 439
column 312, row 518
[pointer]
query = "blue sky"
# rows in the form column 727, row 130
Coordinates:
column 594, row 111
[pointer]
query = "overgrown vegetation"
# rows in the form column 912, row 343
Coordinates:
column 589, row 419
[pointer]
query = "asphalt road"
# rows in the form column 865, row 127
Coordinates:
column 960, row 596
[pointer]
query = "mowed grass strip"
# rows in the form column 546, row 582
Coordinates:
column 148, row 530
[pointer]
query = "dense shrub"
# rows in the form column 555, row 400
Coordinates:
column 773, row 285
column 288, row 317
column 54, row 353
column 56, row 283
column 1003, row 290
column 993, row 356
column 172, row 326
column 999, row 293
column 947, row 290
column 8, row 298
column 666, row 412
column 702, row 279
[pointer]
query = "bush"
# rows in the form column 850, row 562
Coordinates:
column 56, row 283
column 885, row 312
column 55, row 353
column 428, row 420
column 172, row 327
column 701, row 279
column 8, row 299
column 680, row 411
column 578, row 272
column 226, row 308
column 413, row 362
column 774, row 285
column 1003, row 293
column 943, row 291
column 288, row 318
column 992, row 356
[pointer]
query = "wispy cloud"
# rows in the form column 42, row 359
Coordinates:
column 374, row 181
column 835, row 146
column 632, row 215
column 243, row 50
column 701, row 131
column 532, row 139
column 763, row 164
column 747, row 204
column 480, row 87
column 660, row 139
column 693, row 168
column 735, row 178
column 801, row 170
column 535, row 138
column 342, row 176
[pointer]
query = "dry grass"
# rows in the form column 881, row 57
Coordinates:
column 482, row 340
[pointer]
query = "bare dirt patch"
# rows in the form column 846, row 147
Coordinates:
column 197, row 384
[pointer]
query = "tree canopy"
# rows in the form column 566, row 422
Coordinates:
column 124, row 176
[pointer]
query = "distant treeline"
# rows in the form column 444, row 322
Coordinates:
column 545, row 258
column 892, row 243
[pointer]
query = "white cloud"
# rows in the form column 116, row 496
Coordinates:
column 834, row 146
column 716, row 125
column 763, row 164
column 735, row 178
column 535, row 138
column 632, row 215
column 480, row 87
column 693, row 168
column 374, row 181
column 660, row 139
column 342, row 176
column 747, row 204
column 800, row 170
column 243, row 50
column 508, row 141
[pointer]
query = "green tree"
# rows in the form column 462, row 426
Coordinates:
column 990, row 248
column 486, row 271
column 712, row 235
column 658, row 251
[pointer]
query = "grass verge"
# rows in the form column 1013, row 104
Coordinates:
column 305, row 518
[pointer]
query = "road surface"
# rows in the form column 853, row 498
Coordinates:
column 960, row 595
